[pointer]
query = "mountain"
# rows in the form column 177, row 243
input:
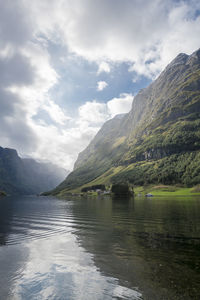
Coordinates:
column 158, row 141
column 26, row 176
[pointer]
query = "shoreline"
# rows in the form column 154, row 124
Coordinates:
column 140, row 191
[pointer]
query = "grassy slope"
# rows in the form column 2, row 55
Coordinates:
column 180, row 165
column 166, row 191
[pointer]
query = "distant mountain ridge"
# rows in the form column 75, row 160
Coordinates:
column 27, row 176
column 158, row 141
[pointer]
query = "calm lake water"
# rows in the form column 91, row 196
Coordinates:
column 99, row 248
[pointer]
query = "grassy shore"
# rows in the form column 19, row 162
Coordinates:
column 167, row 190
column 155, row 190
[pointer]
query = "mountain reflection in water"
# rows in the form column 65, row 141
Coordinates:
column 99, row 248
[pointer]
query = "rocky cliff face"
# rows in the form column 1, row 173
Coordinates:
column 26, row 176
column 164, row 120
column 103, row 141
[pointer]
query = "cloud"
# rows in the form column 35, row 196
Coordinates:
column 26, row 77
column 16, row 70
column 15, row 130
column 16, row 25
column 147, row 34
column 101, row 85
column 63, row 144
column 93, row 112
column 96, row 113
column 56, row 113
column 103, row 67
column 120, row 105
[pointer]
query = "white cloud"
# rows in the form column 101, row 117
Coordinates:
column 93, row 112
column 56, row 113
column 101, row 85
column 147, row 33
column 103, row 67
column 96, row 113
column 120, row 105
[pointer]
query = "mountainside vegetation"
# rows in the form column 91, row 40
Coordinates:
column 157, row 142
column 26, row 176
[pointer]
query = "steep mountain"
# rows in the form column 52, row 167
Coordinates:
column 158, row 141
column 26, row 176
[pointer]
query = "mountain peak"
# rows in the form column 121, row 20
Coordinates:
column 119, row 116
column 194, row 57
column 184, row 59
column 180, row 59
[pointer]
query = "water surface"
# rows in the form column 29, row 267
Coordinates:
column 99, row 248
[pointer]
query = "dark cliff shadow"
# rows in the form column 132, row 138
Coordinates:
column 6, row 215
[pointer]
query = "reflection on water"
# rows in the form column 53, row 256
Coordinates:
column 99, row 248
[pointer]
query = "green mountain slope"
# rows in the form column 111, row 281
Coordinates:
column 26, row 176
column 157, row 141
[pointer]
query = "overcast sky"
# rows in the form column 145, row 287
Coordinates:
column 67, row 66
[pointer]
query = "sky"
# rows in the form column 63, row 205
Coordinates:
column 67, row 66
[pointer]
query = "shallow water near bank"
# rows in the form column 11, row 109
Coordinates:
column 99, row 248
